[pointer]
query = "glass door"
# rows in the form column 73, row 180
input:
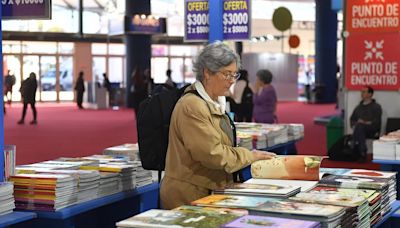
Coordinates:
column 177, row 68
column 12, row 63
column 47, row 81
column 66, row 88
column 159, row 65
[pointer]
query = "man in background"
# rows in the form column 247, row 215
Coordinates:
column 365, row 121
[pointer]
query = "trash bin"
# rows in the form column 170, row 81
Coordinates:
column 334, row 131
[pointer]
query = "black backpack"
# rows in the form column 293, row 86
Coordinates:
column 247, row 96
column 344, row 149
column 153, row 121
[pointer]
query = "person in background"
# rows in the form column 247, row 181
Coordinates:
column 243, row 98
column 28, row 94
column 139, row 89
column 80, row 89
column 201, row 153
column 169, row 83
column 264, row 99
column 365, row 121
column 106, row 83
column 9, row 82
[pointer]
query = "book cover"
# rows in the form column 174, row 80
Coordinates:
column 177, row 218
column 233, row 201
column 331, row 198
column 254, row 221
column 298, row 208
column 289, row 167
column 304, row 185
column 368, row 194
column 354, row 182
column 370, row 173
column 259, row 189
column 220, row 210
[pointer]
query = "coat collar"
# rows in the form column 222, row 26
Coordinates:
column 215, row 107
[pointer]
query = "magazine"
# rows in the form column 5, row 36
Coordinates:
column 289, row 167
column 254, row 221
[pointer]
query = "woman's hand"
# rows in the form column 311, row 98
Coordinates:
column 262, row 155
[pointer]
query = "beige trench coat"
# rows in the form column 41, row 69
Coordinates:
column 200, row 155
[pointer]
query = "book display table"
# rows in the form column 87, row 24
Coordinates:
column 101, row 212
column 15, row 218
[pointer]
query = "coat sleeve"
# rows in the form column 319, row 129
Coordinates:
column 204, row 142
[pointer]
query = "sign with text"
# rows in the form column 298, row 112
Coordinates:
column 196, row 20
column 373, row 60
column 26, row 9
column 237, row 19
column 147, row 25
column 372, row 16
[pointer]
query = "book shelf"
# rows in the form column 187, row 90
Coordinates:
column 391, row 165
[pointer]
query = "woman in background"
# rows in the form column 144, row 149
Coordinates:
column 264, row 98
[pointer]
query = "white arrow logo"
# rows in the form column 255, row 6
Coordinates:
column 373, row 51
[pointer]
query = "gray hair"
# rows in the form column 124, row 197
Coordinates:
column 213, row 57
column 265, row 76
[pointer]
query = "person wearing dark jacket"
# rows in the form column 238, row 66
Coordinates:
column 365, row 120
column 80, row 89
column 28, row 93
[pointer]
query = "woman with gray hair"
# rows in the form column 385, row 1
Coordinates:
column 264, row 98
column 201, row 155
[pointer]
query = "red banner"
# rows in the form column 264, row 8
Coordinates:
column 374, row 60
column 372, row 16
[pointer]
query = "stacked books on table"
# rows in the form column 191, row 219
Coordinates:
column 143, row 177
column 205, row 217
column 387, row 147
column 44, row 192
column 128, row 149
column 267, row 190
column 267, row 135
column 88, row 180
column 7, row 203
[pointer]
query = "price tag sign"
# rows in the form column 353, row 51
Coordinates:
column 26, row 9
column 237, row 20
column 196, row 20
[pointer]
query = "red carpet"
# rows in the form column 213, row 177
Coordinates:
column 63, row 130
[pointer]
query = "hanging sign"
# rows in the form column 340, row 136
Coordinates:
column 26, row 9
column 237, row 19
column 373, row 16
column 373, row 60
column 196, row 20
column 146, row 25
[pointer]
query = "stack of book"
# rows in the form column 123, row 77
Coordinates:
column 127, row 149
column 244, row 139
column 276, row 134
column 327, row 215
column 53, row 165
column 44, row 192
column 357, row 207
column 379, row 184
column 88, row 180
column 265, row 190
column 373, row 197
column 304, row 185
column 387, row 146
column 255, row 221
column 143, row 177
column 9, row 161
column 109, row 184
column 295, row 131
column 184, row 216
column 6, row 198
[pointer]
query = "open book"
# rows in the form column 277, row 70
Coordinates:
column 288, row 167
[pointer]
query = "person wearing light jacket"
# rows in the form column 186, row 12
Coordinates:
column 201, row 155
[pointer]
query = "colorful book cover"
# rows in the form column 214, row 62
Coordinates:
column 370, row 173
column 298, row 208
column 220, row 210
column 331, row 198
column 233, row 201
column 258, row 188
column 353, row 182
column 254, row 221
column 290, row 167
column 368, row 194
column 177, row 218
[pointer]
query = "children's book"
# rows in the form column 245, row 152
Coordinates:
column 254, row 221
column 289, row 167
column 259, row 189
column 231, row 201
column 177, row 218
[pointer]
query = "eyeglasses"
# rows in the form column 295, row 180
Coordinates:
column 228, row 76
